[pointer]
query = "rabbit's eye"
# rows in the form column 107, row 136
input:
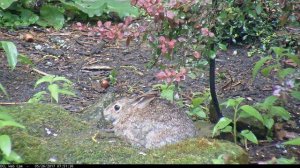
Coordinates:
column 117, row 107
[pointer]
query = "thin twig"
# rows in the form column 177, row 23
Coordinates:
column 40, row 72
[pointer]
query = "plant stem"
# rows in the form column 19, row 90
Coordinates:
column 234, row 125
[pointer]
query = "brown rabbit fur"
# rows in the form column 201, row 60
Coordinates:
column 148, row 121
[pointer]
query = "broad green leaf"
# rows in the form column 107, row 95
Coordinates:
column 37, row 97
column 48, row 78
column 61, row 78
column 5, row 116
column 266, row 71
column 197, row 101
column 10, row 123
column 283, row 73
column 295, row 141
column 6, row 3
column 222, row 123
column 198, row 112
column 280, row 112
column 233, row 102
column 3, row 90
column 259, row 64
column 66, row 92
column 279, row 51
column 168, row 94
column 252, row 112
column 227, row 129
column 54, row 91
column 258, row 8
column 51, row 16
column 212, row 54
column 14, row 157
column 5, row 144
column 249, row 136
column 269, row 101
column 98, row 7
column 268, row 122
column 222, row 46
column 11, row 53
column 296, row 94
column 23, row 59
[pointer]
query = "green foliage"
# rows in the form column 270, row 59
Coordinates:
column 15, row 13
column 280, row 54
column 245, row 21
column 7, row 155
column 113, row 77
column 199, row 105
column 56, row 85
column 11, row 53
column 51, row 16
column 295, row 141
column 98, row 7
column 167, row 91
column 223, row 124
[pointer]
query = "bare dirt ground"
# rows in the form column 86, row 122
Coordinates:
column 86, row 61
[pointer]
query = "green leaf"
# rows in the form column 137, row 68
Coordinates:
column 198, row 112
column 280, row 112
column 279, row 51
column 61, row 78
column 296, row 94
column 11, row 53
column 258, row 8
column 48, row 78
column 284, row 72
column 54, row 91
column 10, row 123
column 3, row 90
column 266, row 71
column 23, row 59
column 14, row 157
column 249, row 136
column 51, row 16
column 5, row 116
column 6, row 3
column 252, row 112
column 268, row 122
column 37, row 97
column 197, row 101
column 222, row 123
column 168, row 94
column 66, row 92
column 259, row 64
column 295, row 141
column 222, row 46
column 5, row 144
column 98, row 7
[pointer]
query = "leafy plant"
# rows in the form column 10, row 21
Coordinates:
column 289, row 86
column 224, row 123
column 113, row 77
column 295, row 141
column 269, row 111
column 53, row 87
column 199, row 105
column 7, row 155
column 15, row 13
column 167, row 91
column 11, row 53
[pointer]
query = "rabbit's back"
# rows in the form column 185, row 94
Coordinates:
column 157, row 124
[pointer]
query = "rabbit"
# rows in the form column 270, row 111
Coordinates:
column 148, row 121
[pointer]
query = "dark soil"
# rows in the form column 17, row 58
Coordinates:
column 72, row 54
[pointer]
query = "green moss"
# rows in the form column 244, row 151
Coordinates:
column 78, row 141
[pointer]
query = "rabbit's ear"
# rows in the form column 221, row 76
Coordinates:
column 142, row 102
